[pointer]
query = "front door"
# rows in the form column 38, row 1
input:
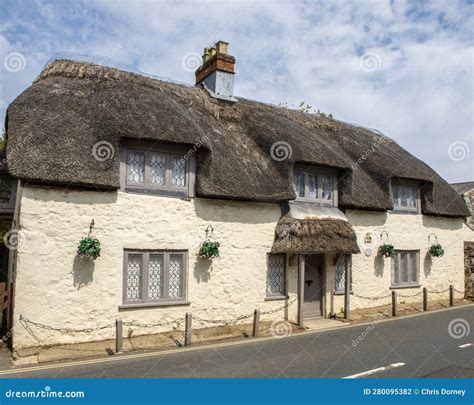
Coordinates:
column 313, row 286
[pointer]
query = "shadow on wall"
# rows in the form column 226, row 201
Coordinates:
column 379, row 265
column 82, row 271
column 374, row 219
column 236, row 211
column 202, row 270
column 427, row 263
column 450, row 224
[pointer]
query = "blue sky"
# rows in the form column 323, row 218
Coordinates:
column 404, row 68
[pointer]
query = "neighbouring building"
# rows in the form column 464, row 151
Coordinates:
column 466, row 190
column 300, row 204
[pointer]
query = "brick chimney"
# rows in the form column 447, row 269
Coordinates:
column 216, row 73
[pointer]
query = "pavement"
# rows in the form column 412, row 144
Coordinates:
column 430, row 345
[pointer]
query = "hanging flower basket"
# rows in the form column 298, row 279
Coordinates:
column 89, row 247
column 209, row 249
column 436, row 250
column 387, row 250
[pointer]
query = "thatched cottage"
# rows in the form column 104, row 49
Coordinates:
column 300, row 204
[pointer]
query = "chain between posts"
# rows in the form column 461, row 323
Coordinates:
column 404, row 295
column 153, row 325
column 65, row 330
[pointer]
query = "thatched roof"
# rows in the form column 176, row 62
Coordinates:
column 294, row 235
column 463, row 188
column 53, row 125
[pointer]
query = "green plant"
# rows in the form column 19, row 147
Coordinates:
column 436, row 250
column 387, row 250
column 89, row 247
column 209, row 249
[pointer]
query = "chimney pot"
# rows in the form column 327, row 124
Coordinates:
column 216, row 73
column 222, row 47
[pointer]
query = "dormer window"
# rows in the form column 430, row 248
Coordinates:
column 316, row 185
column 405, row 197
column 151, row 169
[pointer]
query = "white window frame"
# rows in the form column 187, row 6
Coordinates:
column 396, row 280
column 144, row 300
column 316, row 172
column 270, row 295
column 147, row 187
column 397, row 207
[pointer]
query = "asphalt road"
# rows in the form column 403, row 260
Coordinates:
column 418, row 346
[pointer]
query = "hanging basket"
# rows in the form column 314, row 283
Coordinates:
column 89, row 247
column 209, row 248
column 436, row 250
column 387, row 250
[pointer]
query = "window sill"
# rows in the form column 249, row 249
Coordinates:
column 342, row 292
column 154, row 304
column 404, row 212
column 276, row 298
column 405, row 286
column 163, row 193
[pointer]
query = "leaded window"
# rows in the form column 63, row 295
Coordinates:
column 342, row 263
column 276, row 275
column 405, row 198
column 405, row 268
column 154, row 276
column 149, row 169
column 312, row 185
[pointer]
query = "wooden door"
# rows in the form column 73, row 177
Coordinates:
column 313, row 286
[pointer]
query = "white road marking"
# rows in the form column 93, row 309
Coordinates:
column 466, row 345
column 376, row 370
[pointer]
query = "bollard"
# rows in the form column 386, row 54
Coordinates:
column 188, row 328
column 256, row 322
column 118, row 336
column 394, row 303
column 451, row 295
column 425, row 299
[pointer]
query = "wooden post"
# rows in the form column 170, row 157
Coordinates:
column 333, row 314
column 188, row 328
column 394, row 303
column 451, row 295
column 256, row 322
column 347, row 291
column 118, row 336
column 301, row 267
column 425, row 299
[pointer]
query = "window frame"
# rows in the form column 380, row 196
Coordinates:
column 145, row 301
column 410, row 283
column 278, row 296
column 406, row 183
column 349, row 263
column 316, row 171
column 169, row 150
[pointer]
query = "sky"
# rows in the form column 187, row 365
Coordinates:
column 403, row 68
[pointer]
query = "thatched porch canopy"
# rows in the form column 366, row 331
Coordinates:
column 310, row 235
